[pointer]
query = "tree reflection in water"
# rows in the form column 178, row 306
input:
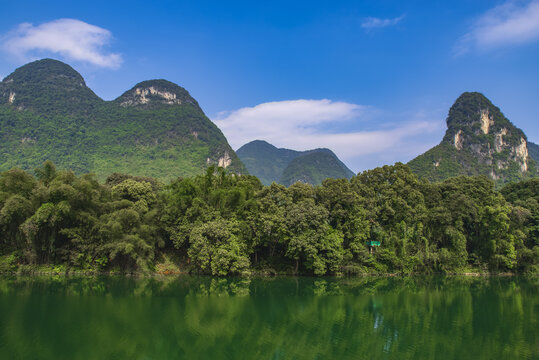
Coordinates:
column 269, row 318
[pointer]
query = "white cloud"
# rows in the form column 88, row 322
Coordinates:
column 309, row 124
column 372, row 22
column 512, row 23
column 69, row 38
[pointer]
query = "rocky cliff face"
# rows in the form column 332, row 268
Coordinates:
column 156, row 92
column 479, row 140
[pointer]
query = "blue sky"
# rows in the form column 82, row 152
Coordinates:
column 372, row 80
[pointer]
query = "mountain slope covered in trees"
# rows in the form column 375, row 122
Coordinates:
column 285, row 166
column 479, row 140
column 533, row 150
column 314, row 167
column 155, row 129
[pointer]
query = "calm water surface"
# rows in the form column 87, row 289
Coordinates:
column 278, row 318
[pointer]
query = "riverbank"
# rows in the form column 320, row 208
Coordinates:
column 169, row 265
column 59, row 270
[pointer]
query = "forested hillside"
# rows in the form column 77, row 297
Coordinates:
column 314, row 167
column 155, row 129
column 285, row 166
column 479, row 140
column 225, row 224
column 534, row 151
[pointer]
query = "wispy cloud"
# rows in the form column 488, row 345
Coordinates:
column 70, row 38
column 512, row 23
column 308, row 124
column 373, row 23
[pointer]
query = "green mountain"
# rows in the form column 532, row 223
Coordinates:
column 533, row 151
column 285, row 166
column 265, row 161
column 479, row 140
column 155, row 129
column 314, row 167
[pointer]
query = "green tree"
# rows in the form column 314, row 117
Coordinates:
column 216, row 248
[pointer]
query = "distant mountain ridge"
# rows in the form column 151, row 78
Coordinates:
column 479, row 140
column 285, row 166
column 154, row 129
column 533, row 150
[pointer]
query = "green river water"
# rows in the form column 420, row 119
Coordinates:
column 190, row 317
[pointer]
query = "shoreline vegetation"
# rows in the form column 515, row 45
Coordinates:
column 55, row 222
column 78, row 273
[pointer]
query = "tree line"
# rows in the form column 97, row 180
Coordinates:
column 222, row 224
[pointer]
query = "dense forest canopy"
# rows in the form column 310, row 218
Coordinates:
column 225, row 224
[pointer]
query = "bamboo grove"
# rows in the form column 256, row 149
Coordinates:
column 225, row 224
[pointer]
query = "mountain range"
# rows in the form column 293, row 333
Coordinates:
column 285, row 166
column 157, row 129
column 154, row 129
